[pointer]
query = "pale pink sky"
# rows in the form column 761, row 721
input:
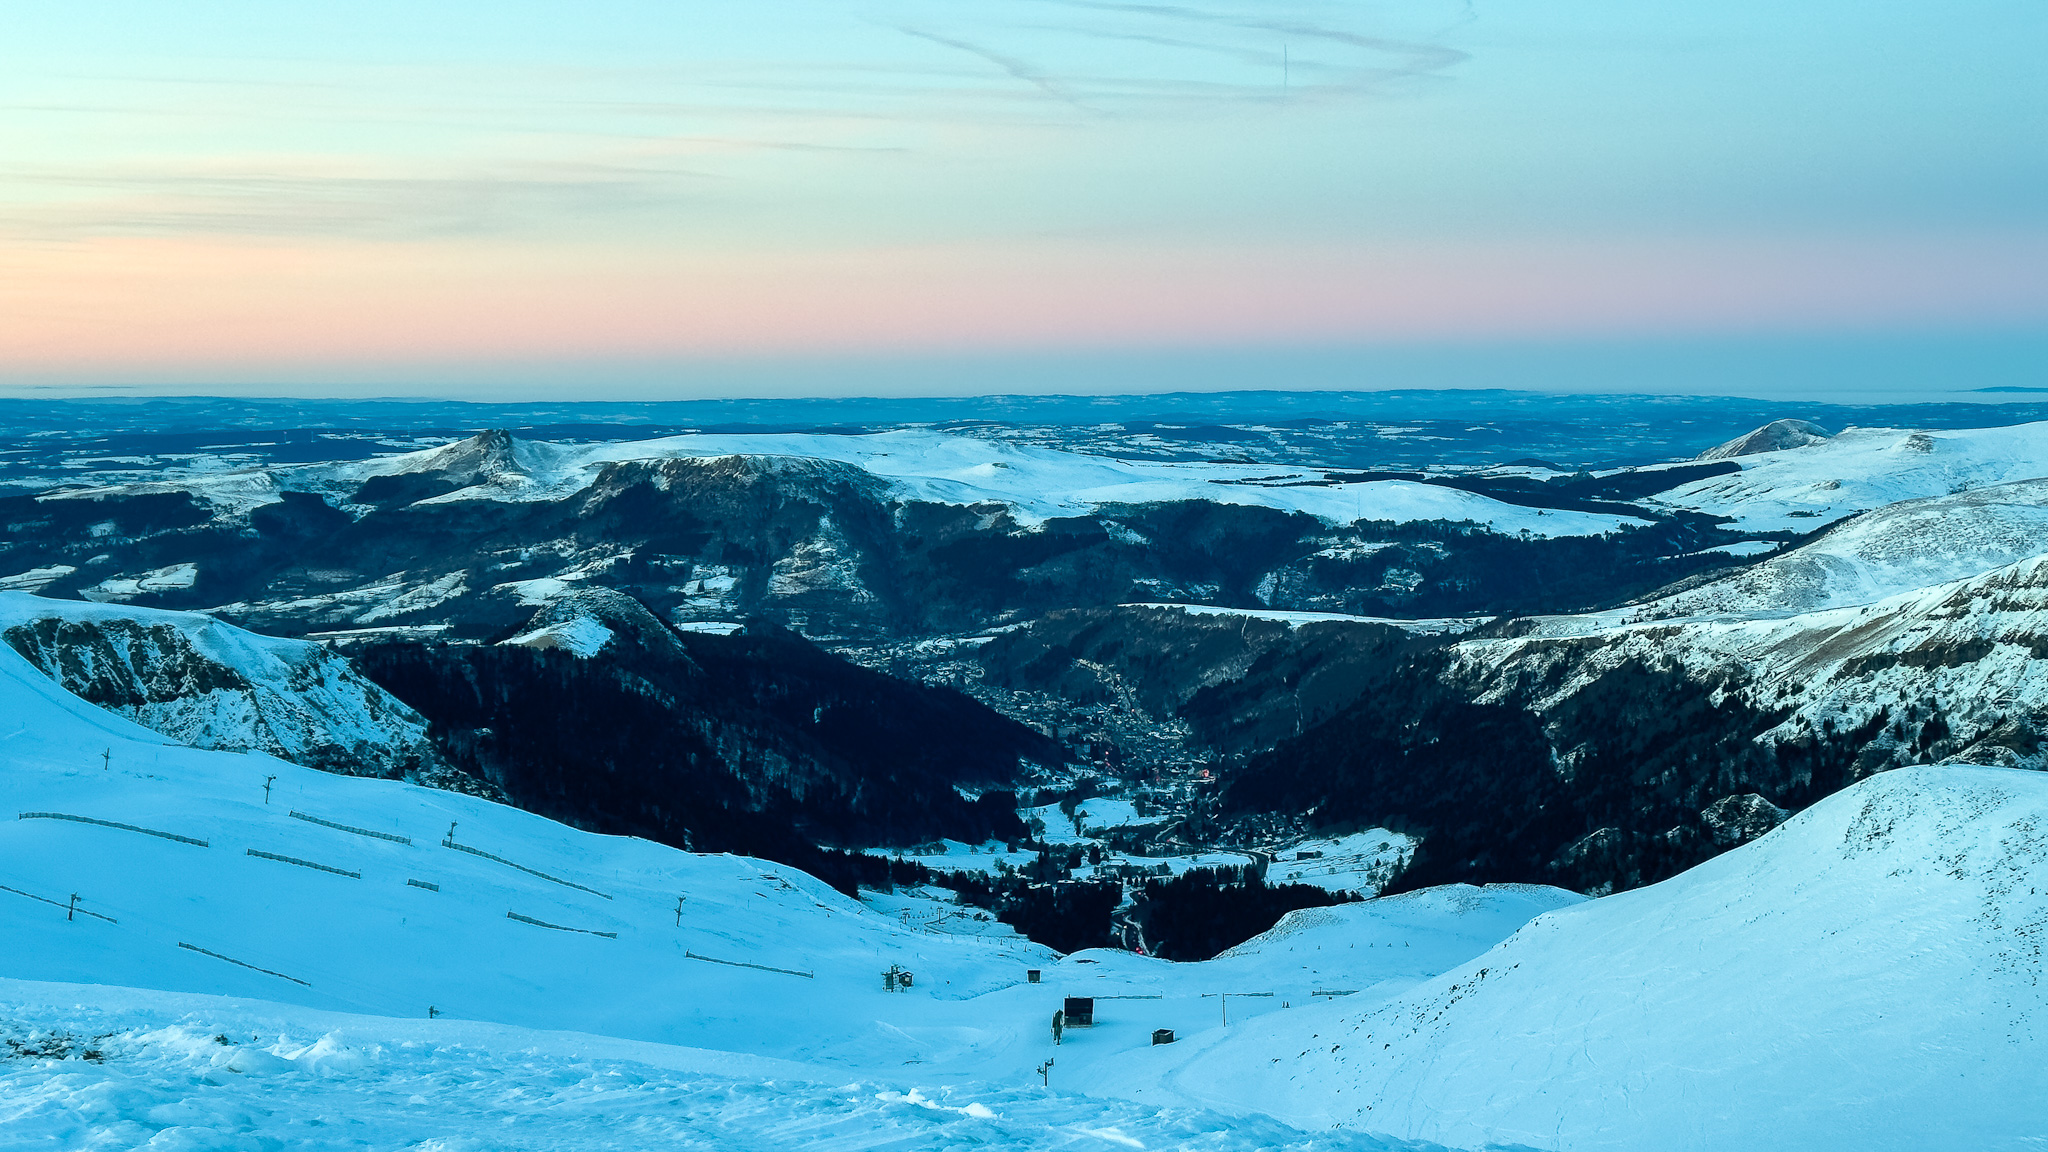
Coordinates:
column 246, row 191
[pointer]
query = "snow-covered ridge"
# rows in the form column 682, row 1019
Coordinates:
column 212, row 685
column 1894, row 549
column 1975, row 649
column 1803, row 488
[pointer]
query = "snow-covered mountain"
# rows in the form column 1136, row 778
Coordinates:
column 1603, row 754
column 1032, row 484
column 1799, row 489
column 1776, row 436
column 1867, row 976
column 1893, row 549
column 1972, row 652
column 212, row 685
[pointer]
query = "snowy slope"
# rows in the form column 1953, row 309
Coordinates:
column 1800, row 489
column 212, row 685
column 1867, row 976
column 532, row 924
column 1894, row 549
column 1356, row 862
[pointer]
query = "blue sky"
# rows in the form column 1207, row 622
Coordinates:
column 395, row 197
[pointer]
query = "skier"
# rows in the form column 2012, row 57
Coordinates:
column 1059, row 1024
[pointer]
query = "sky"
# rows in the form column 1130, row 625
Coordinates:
column 614, row 199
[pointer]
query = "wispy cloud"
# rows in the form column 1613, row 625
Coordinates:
column 1015, row 67
column 404, row 149
column 255, row 204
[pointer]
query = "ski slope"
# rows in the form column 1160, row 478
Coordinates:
column 189, row 880
column 1867, row 976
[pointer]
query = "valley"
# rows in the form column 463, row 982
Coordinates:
column 1284, row 750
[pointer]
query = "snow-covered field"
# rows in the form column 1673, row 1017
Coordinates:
column 1358, row 862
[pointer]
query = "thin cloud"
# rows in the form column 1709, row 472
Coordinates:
column 405, row 208
column 1017, row 68
column 1422, row 57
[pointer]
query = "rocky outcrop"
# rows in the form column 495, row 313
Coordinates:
column 212, row 685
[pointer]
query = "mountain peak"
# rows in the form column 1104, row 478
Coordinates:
column 491, row 452
column 584, row 622
column 1776, row 436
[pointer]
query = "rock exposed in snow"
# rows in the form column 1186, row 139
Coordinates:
column 1776, row 436
column 212, row 685
column 1736, row 820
